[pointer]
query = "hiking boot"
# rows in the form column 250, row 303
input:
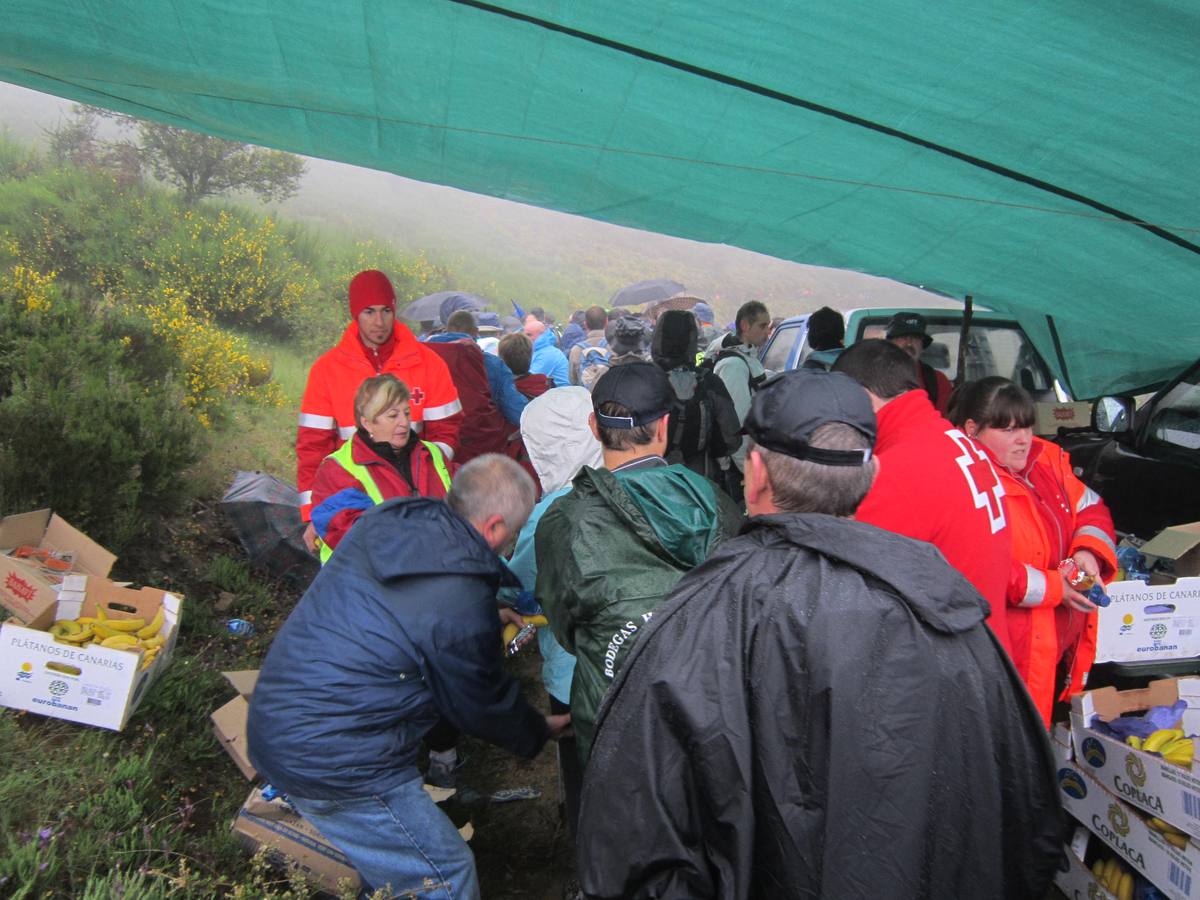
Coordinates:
column 440, row 774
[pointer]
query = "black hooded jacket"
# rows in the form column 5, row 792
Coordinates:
column 839, row 724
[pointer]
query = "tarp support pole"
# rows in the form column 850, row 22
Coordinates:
column 1058, row 351
column 968, row 311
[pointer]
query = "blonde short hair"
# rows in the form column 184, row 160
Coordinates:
column 377, row 395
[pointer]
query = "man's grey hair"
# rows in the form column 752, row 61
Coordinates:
column 492, row 485
column 804, row 486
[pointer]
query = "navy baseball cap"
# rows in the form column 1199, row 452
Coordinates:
column 640, row 387
column 788, row 408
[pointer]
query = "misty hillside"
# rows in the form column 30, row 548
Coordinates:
column 506, row 250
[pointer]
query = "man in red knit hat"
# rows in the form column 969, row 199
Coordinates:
column 373, row 343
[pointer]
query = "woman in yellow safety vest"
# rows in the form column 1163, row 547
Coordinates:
column 383, row 459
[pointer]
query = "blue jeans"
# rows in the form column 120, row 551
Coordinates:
column 399, row 840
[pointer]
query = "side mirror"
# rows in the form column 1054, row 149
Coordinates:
column 1112, row 415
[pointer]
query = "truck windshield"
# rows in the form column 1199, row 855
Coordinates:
column 991, row 350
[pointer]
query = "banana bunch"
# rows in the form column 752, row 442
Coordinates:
column 1170, row 833
column 510, row 630
column 1115, row 877
column 135, row 635
column 1169, row 743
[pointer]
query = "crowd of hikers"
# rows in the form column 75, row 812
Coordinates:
column 804, row 634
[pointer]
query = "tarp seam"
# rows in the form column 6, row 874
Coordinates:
column 841, row 115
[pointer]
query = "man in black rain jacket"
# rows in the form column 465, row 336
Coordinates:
column 818, row 710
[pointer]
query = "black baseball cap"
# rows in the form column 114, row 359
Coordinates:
column 640, row 387
column 788, row 408
column 908, row 323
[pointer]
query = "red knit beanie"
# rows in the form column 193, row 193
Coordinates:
column 370, row 288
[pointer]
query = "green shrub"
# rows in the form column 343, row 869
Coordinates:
column 83, row 431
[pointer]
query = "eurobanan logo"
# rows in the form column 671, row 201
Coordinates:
column 1136, row 769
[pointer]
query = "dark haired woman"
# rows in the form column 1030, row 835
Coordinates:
column 1053, row 516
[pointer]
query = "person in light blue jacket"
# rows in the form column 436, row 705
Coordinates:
column 548, row 360
column 560, row 442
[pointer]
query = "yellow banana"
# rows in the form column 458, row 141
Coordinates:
column 1125, row 887
column 66, row 626
column 148, row 659
column 87, row 620
column 539, row 621
column 1114, row 877
column 120, row 642
column 1134, row 741
column 510, row 632
column 101, row 615
column 79, row 636
column 1179, row 752
column 1110, row 869
column 125, row 626
column 154, row 627
column 151, row 643
column 1176, row 840
column 1098, row 869
column 102, row 630
column 1162, row 825
column 1160, row 738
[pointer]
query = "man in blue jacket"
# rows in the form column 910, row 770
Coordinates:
column 399, row 630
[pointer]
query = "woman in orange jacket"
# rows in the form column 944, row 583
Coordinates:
column 1053, row 516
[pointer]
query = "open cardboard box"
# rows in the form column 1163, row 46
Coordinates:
column 1171, row 869
column 92, row 685
column 229, row 722
column 1180, row 546
column 1073, row 877
column 291, row 840
column 1147, row 781
column 28, row 591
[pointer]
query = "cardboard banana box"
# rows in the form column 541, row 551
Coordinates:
column 92, row 685
column 1173, row 870
column 1161, row 788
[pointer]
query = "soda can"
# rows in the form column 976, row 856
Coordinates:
column 240, row 627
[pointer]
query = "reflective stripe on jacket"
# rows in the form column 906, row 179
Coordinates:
column 354, row 478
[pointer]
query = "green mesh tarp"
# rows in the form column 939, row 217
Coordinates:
column 1039, row 156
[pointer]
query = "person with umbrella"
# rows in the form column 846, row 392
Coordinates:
column 373, row 343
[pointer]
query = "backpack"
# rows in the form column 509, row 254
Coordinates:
column 594, row 361
column 710, row 364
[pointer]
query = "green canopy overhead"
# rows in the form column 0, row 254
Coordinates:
column 1040, row 156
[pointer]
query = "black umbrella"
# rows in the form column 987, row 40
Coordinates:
column 429, row 307
column 646, row 292
column 265, row 513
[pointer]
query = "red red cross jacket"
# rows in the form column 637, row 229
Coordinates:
column 937, row 485
column 1053, row 514
column 327, row 410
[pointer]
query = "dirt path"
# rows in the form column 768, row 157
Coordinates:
column 521, row 848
